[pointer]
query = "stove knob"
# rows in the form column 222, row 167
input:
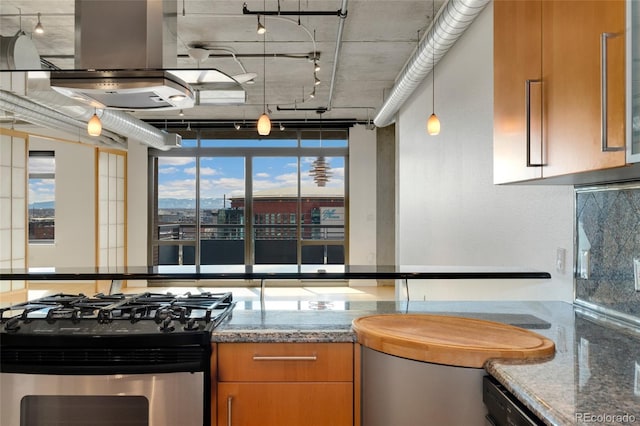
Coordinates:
column 12, row 325
column 167, row 326
column 192, row 325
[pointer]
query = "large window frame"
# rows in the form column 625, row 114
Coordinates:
column 249, row 153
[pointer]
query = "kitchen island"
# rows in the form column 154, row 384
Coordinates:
column 592, row 378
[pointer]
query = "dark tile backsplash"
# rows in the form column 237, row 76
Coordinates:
column 607, row 242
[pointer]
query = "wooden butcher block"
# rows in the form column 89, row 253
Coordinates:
column 449, row 340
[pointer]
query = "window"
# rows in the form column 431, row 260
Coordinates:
column 250, row 201
column 42, row 206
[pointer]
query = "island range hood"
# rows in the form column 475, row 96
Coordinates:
column 125, row 89
column 122, row 49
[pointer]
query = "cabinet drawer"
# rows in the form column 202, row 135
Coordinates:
column 284, row 404
column 285, row 362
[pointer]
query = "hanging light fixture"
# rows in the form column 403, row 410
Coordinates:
column 264, row 122
column 94, row 125
column 320, row 168
column 39, row 29
column 433, row 123
column 261, row 28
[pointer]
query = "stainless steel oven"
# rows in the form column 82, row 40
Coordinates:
column 163, row 399
column 116, row 360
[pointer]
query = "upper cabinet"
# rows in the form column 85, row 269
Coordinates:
column 559, row 88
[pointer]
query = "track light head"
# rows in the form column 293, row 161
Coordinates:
column 39, row 29
column 261, row 28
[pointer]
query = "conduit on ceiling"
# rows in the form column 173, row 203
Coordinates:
column 451, row 22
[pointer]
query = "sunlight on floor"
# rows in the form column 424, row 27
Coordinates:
column 303, row 293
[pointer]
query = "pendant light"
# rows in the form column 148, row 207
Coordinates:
column 264, row 122
column 433, row 123
column 94, row 126
column 261, row 28
column 39, row 29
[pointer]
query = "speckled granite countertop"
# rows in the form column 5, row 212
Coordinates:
column 594, row 377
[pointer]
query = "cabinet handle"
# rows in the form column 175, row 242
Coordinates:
column 229, row 406
column 285, row 358
column 604, row 95
column 527, row 101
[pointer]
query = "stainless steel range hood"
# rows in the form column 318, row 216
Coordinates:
column 127, row 90
column 121, row 47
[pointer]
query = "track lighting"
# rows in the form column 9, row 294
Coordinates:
column 282, row 127
column 237, row 126
column 313, row 93
column 316, row 80
column 316, row 66
column 181, row 113
column 94, row 126
column 39, row 29
column 261, row 28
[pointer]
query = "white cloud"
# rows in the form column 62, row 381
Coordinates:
column 262, row 175
column 175, row 161
column 167, row 170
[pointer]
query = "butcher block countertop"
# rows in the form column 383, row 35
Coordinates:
column 450, row 340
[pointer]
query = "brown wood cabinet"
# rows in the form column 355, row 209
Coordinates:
column 554, row 51
column 285, row 384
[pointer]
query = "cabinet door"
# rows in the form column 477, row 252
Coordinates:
column 285, row 404
column 572, row 89
column 517, row 58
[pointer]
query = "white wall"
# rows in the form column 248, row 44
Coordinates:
column 137, row 207
column 362, row 196
column 75, row 241
column 450, row 213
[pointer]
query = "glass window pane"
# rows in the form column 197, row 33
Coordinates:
column 222, row 181
column 275, row 196
column 324, row 139
column 176, row 198
column 322, row 184
column 42, row 189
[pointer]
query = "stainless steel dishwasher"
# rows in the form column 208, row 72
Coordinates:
column 402, row 392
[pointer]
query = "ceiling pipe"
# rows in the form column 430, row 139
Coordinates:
column 40, row 115
column 336, row 55
column 117, row 124
column 446, row 28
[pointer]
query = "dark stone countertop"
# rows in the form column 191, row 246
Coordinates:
column 593, row 378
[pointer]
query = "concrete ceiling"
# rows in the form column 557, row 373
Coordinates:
column 378, row 38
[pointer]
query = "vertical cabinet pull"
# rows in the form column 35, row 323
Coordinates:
column 229, row 407
column 527, row 101
column 604, row 95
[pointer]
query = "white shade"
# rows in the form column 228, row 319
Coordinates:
column 433, row 125
column 264, row 125
column 94, row 126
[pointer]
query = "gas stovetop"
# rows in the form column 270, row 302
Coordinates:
column 117, row 314
column 109, row 334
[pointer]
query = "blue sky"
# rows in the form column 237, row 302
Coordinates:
column 225, row 175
